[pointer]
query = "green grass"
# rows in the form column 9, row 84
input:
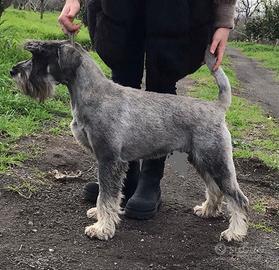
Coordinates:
column 106, row 70
column 259, row 207
column 20, row 115
column 24, row 189
column 253, row 133
column 267, row 54
column 27, row 25
column 261, row 226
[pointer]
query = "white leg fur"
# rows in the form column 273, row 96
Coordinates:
column 238, row 223
column 92, row 213
column 107, row 216
column 213, row 204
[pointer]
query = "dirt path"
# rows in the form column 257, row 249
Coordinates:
column 47, row 231
column 257, row 82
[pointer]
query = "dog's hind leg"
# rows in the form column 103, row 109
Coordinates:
column 111, row 174
column 237, row 204
column 213, row 203
column 216, row 164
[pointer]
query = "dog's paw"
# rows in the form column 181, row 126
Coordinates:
column 92, row 213
column 100, row 232
column 206, row 212
column 230, row 235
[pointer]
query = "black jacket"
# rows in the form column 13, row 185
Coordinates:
column 176, row 31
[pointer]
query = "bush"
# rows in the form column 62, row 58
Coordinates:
column 265, row 27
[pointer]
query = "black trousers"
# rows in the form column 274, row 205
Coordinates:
column 168, row 36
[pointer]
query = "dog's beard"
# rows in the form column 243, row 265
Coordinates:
column 39, row 88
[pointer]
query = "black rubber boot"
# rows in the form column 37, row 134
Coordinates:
column 145, row 202
column 91, row 190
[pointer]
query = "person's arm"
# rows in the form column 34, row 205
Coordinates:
column 224, row 22
column 67, row 16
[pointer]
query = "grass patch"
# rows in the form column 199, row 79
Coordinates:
column 25, row 189
column 261, row 226
column 259, row 207
column 253, row 133
column 9, row 158
column 20, row 115
column 28, row 25
column 27, row 186
column 267, row 54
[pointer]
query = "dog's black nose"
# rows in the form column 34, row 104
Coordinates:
column 12, row 72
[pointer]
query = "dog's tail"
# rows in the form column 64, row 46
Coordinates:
column 221, row 79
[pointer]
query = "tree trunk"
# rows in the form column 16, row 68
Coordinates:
column 42, row 9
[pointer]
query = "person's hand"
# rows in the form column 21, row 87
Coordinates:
column 218, row 45
column 67, row 16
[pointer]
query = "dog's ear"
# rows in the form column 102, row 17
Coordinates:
column 69, row 58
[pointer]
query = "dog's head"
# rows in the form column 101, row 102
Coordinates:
column 52, row 62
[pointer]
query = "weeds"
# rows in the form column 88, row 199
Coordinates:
column 25, row 189
column 259, row 206
column 261, row 226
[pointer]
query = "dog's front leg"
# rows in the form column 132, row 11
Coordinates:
column 111, row 174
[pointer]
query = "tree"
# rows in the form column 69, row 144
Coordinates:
column 247, row 8
column 265, row 26
column 42, row 9
column 39, row 5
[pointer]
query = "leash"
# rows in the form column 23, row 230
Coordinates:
column 71, row 37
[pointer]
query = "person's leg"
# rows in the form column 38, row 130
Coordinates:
column 172, row 51
column 145, row 202
column 126, row 70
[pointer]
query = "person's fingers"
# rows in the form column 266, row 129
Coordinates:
column 67, row 17
column 67, row 24
column 63, row 29
column 214, row 46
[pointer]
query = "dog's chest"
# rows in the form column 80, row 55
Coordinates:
column 79, row 132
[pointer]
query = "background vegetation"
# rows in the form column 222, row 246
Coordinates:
column 254, row 134
column 267, row 54
column 19, row 115
column 265, row 25
column 257, row 20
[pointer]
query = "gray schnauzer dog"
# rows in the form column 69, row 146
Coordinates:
column 121, row 124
